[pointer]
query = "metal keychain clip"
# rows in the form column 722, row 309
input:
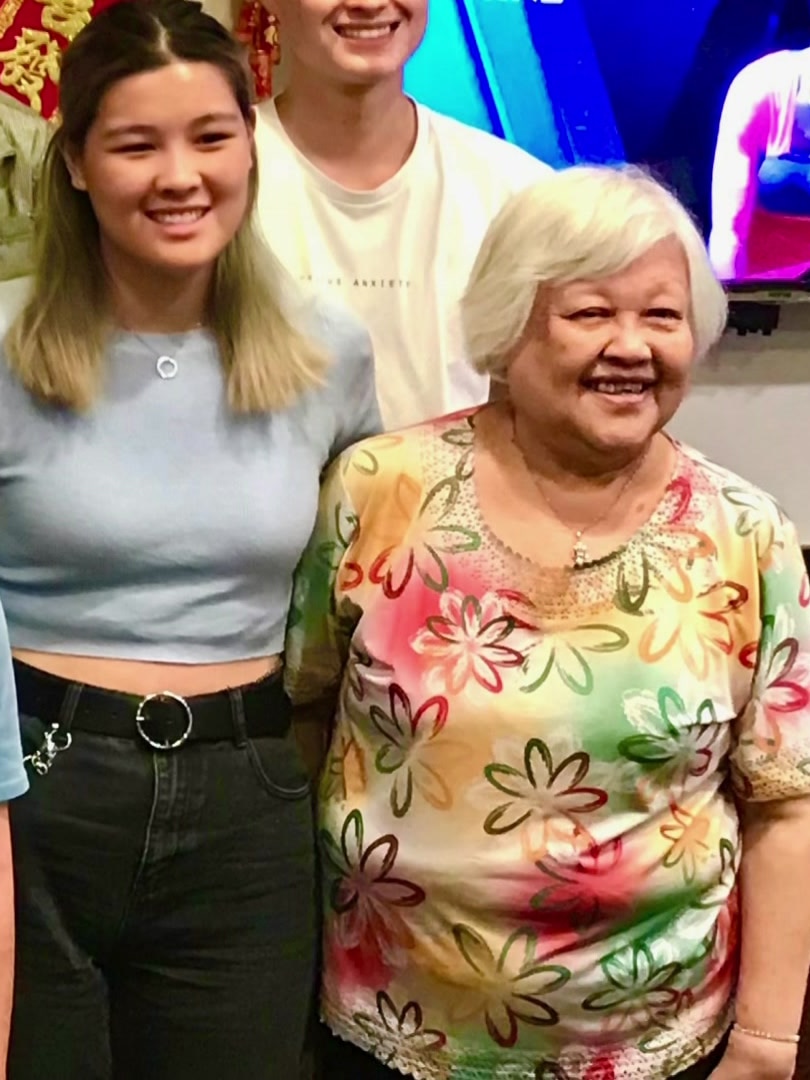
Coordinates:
column 53, row 743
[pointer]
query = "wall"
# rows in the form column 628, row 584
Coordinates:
column 224, row 10
column 750, row 410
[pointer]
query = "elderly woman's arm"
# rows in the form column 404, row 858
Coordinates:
column 770, row 753
column 775, row 954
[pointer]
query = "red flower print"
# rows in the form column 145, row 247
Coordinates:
column 580, row 894
column 781, row 686
column 364, row 893
column 466, row 642
column 695, row 624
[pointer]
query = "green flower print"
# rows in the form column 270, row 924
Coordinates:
column 412, row 750
column 508, row 989
column 564, row 654
column 639, row 988
column 436, row 537
column 673, row 745
column 756, row 517
column 393, row 1031
column 547, row 799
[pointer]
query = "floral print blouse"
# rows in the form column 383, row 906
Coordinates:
column 528, row 835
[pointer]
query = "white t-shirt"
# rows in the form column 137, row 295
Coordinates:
column 399, row 256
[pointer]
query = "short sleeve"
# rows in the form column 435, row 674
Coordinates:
column 351, row 411
column 320, row 625
column 13, row 780
column 770, row 757
column 358, row 410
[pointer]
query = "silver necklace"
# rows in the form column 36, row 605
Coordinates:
column 580, row 556
column 166, row 366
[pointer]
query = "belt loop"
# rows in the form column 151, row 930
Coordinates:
column 238, row 717
column 67, row 709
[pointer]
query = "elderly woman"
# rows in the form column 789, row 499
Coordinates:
column 565, row 814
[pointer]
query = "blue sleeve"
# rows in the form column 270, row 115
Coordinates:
column 351, row 395
column 358, row 414
column 13, row 779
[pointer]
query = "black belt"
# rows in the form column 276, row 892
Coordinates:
column 164, row 721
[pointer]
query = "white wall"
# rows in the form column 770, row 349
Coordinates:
column 749, row 409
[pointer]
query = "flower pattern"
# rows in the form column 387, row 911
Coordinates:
column 530, row 853
column 412, row 751
column 393, row 1031
column 565, row 655
column 578, row 894
column 638, row 984
column 364, row 893
column 696, row 624
column 508, row 989
column 546, row 798
column 782, row 685
column 467, row 642
column 673, row 748
column 690, row 845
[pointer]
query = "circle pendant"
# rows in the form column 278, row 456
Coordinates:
column 166, row 367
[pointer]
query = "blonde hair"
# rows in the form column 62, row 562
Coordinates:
column 57, row 344
column 581, row 223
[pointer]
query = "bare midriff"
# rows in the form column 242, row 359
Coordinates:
column 148, row 677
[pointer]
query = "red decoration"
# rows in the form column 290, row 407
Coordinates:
column 33, row 36
column 259, row 31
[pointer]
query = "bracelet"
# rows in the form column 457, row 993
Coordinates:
column 794, row 1039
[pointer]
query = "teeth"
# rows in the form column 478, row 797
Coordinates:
column 366, row 32
column 610, row 386
column 177, row 217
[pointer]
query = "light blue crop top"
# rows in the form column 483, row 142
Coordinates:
column 160, row 525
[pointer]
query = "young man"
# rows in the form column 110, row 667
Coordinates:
column 368, row 195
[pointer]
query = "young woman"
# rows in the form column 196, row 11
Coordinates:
column 166, row 409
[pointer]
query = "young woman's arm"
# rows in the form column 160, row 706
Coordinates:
column 6, row 936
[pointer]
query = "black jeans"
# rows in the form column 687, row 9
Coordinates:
column 166, row 925
column 342, row 1061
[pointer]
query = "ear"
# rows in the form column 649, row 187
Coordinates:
column 74, row 168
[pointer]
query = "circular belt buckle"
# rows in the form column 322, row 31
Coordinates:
column 140, row 718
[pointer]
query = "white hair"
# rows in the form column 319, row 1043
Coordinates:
column 581, row 223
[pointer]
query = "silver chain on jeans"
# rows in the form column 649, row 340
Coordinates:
column 52, row 744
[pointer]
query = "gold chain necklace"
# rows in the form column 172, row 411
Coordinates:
column 580, row 556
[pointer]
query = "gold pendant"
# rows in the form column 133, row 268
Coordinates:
column 579, row 553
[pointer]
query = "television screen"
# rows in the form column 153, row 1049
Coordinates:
column 712, row 95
